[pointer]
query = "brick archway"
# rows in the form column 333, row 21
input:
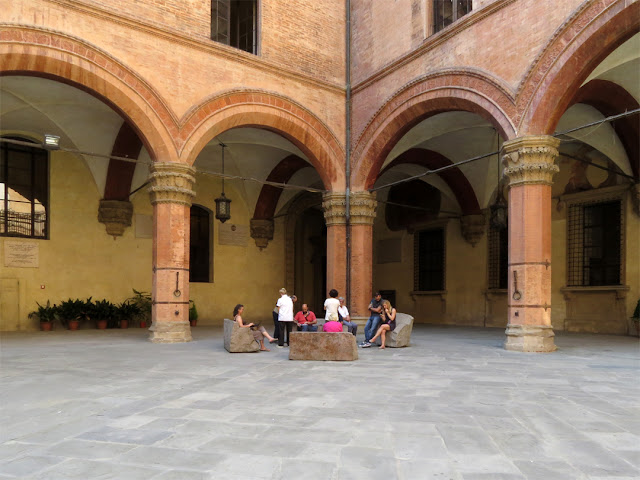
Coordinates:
column 450, row 90
column 270, row 111
column 595, row 30
column 38, row 52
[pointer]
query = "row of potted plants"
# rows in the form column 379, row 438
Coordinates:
column 71, row 313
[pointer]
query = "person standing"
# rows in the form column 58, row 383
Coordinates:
column 343, row 313
column 285, row 317
column 331, row 305
column 375, row 307
column 306, row 320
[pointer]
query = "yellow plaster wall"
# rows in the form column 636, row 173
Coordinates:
column 80, row 260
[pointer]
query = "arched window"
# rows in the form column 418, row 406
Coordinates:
column 24, row 190
column 200, row 254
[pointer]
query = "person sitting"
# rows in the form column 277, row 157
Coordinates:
column 332, row 324
column 343, row 314
column 388, row 324
column 331, row 305
column 259, row 333
column 306, row 320
column 375, row 307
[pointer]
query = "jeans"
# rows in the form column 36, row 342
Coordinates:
column 276, row 327
column 352, row 327
column 307, row 328
column 285, row 331
column 372, row 326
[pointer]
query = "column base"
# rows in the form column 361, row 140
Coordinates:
column 529, row 338
column 170, row 332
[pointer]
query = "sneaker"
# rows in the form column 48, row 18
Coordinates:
column 366, row 345
column 280, row 346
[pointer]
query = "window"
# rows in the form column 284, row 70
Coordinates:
column 498, row 257
column 200, row 245
column 235, row 23
column 429, row 260
column 445, row 12
column 594, row 244
column 24, row 190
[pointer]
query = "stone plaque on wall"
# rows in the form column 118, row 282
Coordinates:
column 390, row 250
column 144, row 226
column 233, row 234
column 21, row 254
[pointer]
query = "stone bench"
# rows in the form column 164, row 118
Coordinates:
column 401, row 336
column 322, row 346
column 238, row 339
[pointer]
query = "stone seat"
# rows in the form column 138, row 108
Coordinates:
column 401, row 336
column 322, row 346
column 238, row 339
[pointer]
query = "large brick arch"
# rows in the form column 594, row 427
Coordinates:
column 448, row 90
column 32, row 51
column 595, row 30
column 270, row 111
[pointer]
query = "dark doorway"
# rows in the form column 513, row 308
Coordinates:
column 311, row 260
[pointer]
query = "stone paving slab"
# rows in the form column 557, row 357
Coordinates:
column 454, row 405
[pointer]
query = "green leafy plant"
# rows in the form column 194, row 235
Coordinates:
column 105, row 310
column 193, row 311
column 77, row 309
column 144, row 303
column 128, row 311
column 47, row 313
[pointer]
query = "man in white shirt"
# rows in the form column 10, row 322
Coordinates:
column 343, row 312
column 285, row 317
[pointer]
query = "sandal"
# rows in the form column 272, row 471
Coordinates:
column 265, row 350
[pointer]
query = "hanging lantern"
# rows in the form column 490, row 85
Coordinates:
column 499, row 209
column 223, row 204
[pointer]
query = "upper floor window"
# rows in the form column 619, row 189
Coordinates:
column 429, row 260
column 594, row 234
column 24, row 190
column 235, row 23
column 445, row 12
column 200, row 245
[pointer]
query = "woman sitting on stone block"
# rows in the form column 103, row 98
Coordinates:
column 259, row 332
column 388, row 323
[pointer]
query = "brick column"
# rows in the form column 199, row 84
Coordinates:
column 334, row 205
column 529, row 165
column 363, row 213
column 171, row 193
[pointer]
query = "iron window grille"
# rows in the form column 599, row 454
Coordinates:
column 445, row 12
column 498, row 258
column 235, row 23
column 24, row 191
column 200, row 245
column 594, row 244
column 429, row 260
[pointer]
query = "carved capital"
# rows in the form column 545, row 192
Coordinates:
column 363, row 208
column 116, row 215
column 172, row 183
column 334, row 206
column 531, row 160
column 635, row 198
column 472, row 227
column 262, row 231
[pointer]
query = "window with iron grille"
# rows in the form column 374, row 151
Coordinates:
column 24, row 190
column 200, row 245
column 445, row 12
column 498, row 257
column 429, row 258
column 235, row 23
column 594, row 238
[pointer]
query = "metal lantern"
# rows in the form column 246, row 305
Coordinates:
column 499, row 212
column 223, row 204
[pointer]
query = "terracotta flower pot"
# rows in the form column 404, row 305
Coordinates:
column 74, row 324
column 193, row 323
column 46, row 326
column 124, row 323
column 102, row 324
column 143, row 324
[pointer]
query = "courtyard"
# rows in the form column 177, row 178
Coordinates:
column 455, row 405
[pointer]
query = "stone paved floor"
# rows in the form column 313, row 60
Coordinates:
column 108, row 404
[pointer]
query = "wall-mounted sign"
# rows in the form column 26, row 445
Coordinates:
column 230, row 234
column 21, row 254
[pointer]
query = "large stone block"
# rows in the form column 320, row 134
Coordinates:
column 401, row 336
column 238, row 339
column 322, row 346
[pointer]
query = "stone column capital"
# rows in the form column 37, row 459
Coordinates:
column 531, row 160
column 472, row 227
column 116, row 215
column 334, row 206
column 172, row 183
column 262, row 231
column 363, row 208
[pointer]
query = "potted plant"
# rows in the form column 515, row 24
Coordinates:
column 46, row 315
column 104, row 313
column 193, row 313
column 143, row 301
column 127, row 311
column 72, row 312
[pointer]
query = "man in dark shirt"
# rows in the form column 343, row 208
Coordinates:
column 370, row 329
column 306, row 320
